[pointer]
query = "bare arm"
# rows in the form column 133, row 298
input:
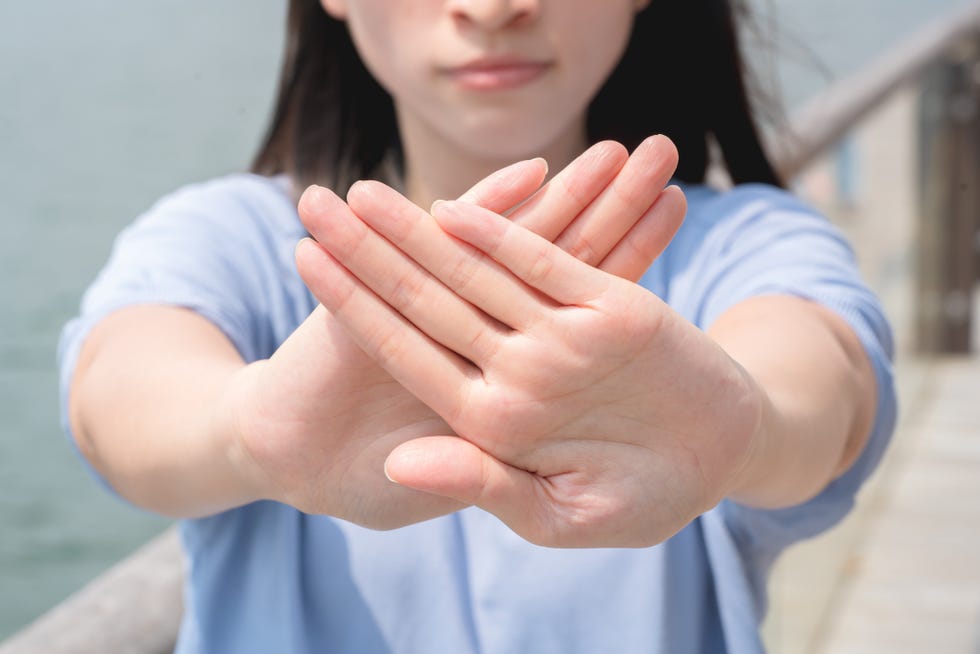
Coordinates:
column 820, row 395
column 144, row 409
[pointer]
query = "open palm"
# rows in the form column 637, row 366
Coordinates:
column 590, row 413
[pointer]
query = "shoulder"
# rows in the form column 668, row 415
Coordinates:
column 237, row 200
column 753, row 240
column 724, row 231
column 223, row 248
column 712, row 210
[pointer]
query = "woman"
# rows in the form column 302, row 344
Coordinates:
column 728, row 404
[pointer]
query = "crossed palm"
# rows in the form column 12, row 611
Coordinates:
column 511, row 363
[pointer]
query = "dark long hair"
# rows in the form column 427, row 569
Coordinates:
column 333, row 123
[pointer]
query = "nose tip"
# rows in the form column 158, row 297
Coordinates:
column 493, row 15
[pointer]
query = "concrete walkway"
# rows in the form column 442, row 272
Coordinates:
column 902, row 573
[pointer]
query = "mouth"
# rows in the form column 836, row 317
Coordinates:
column 496, row 74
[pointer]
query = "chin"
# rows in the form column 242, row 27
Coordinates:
column 507, row 143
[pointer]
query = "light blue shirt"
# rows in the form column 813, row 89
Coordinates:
column 267, row 578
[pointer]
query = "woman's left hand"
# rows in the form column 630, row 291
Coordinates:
column 591, row 414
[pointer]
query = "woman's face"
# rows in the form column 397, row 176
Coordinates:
column 498, row 78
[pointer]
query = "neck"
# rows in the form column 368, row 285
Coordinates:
column 440, row 169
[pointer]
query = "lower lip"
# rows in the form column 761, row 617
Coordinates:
column 497, row 78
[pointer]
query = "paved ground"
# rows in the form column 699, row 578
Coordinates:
column 902, row 574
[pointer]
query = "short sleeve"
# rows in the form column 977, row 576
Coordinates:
column 757, row 240
column 222, row 249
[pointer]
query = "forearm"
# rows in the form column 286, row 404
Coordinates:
column 149, row 408
column 819, row 397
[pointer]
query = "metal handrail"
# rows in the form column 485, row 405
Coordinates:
column 136, row 605
column 828, row 117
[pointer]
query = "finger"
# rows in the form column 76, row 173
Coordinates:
column 622, row 203
column 554, row 207
column 649, row 237
column 453, row 467
column 538, row 263
column 467, row 272
column 436, row 376
column 504, row 189
column 397, row 279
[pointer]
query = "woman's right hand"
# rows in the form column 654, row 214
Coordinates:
column 317, row 420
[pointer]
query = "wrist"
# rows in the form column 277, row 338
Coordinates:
column 752, row 473
column 778, row 470
column 232, row 425
column 754, row 478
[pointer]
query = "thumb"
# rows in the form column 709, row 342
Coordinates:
column 453, row 467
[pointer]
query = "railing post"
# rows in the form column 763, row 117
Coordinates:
column 949, row 235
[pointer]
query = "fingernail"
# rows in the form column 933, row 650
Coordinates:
column 386, row 469
column 311, row 195
column 300, row 242
column 435, row 204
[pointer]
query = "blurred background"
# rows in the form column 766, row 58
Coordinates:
column 107, row 105
column 104, row 107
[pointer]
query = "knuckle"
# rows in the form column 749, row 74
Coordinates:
column 460, row 274
column 540, row 268
column 483, row 345
column 405, row 290
column 386, row 344
column 633, row 196
column 572, row 190
column 583, row 249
